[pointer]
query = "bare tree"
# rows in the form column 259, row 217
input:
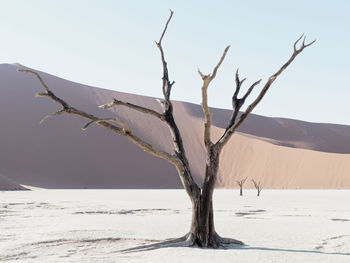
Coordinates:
column 258, row 186
column 240, row 184
column 202, row 231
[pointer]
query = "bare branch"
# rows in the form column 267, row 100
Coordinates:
column 234, row 126
column 201, row 74
column 296, row 42
column 238, row 84
column 213, row 75
column 52, row 115
column 250, row 89
column 49, row 93
column 167, row 85
column 125, row 127
column 116, row 103
column 36, row 75
column 236, row 105
column 42, row 94
column 189, row 184
column 303, row 45
column 125, row 131
column 165, row 28
column 241, row 182
column 270, row 81
column 179, row 159
column 207, row 114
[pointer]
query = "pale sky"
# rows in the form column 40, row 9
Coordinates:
column 110, row 44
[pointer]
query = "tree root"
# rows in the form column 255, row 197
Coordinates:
column 188, row 240
column 215, row 241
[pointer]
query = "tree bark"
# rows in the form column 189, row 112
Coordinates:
column 202, row 227
column 202, row 232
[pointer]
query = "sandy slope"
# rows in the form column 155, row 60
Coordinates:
column 57, row 154
column 7, row 184
column 287, row 132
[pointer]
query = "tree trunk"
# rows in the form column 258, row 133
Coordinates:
column 202, row 232
column 240, row 191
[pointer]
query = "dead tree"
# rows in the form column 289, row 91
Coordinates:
column 258, row 186
column 202, row 231
column 240, row 184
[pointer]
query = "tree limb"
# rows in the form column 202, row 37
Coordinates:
column 48, row 91
column 232, row 127
column 207, row 114
column 167, row 85
column 237, row 104
column 116, row 103
column 241, row 182
column 126, row 128
column 167, row 104
column 257, row 185
column 179, row 159
column 125, row 131
column 60, row 112
column 185, row 173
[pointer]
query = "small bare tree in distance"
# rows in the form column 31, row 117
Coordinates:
column 240, row 184
column 258, row 186
column 202, row 231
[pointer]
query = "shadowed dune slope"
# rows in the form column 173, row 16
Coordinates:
column 58, row 154
column 7, row 184
column 322, row 137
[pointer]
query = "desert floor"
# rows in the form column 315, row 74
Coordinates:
column 121, row 226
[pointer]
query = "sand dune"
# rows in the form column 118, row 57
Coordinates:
column 58, row 154
column 7, row 184
column 322, row 137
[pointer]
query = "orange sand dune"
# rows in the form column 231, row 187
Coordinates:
column 58, row 154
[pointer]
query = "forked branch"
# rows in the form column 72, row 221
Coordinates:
column 179, row 159
column 272, row 79
column 125, row 130
column 186, row 175
column 241, row 182
column 207, row 114
column 237, row 103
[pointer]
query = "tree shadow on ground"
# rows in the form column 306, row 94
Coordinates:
column 180, row 242
column 177, row 242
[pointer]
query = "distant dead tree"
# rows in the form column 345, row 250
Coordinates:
column 258, row 186
column 202, row 231
column 240, row 184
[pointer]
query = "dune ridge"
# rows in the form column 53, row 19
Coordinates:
column 282, row 153
column 7, row 184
